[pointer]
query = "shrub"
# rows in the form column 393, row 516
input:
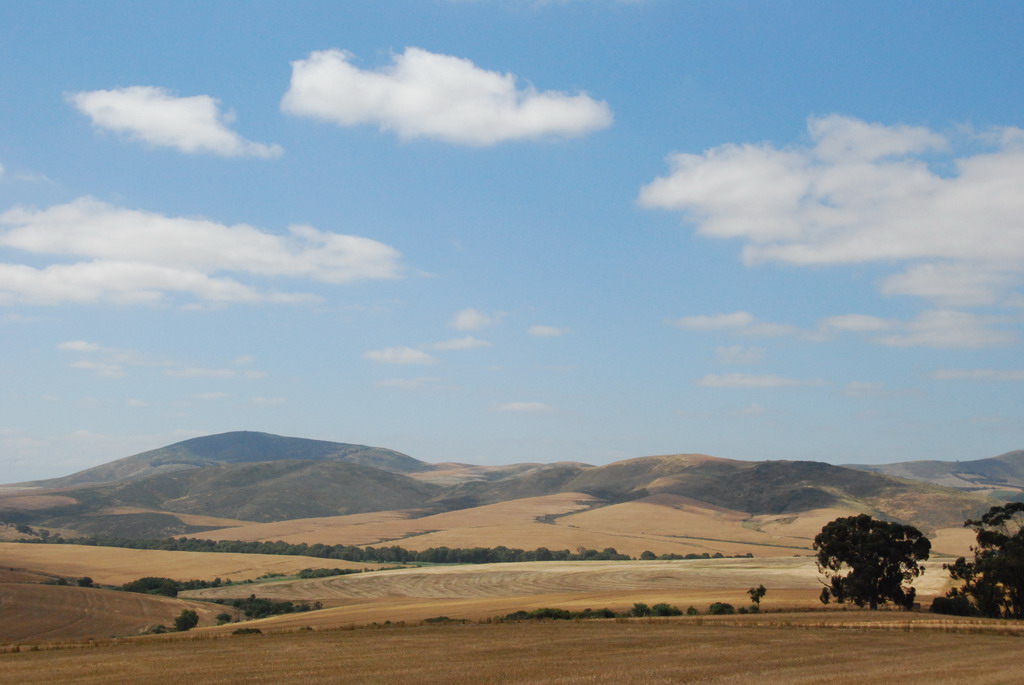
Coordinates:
column 186, row 620
column 720, row 608
column 223, row 618
column 640, row 609
column 662, row 609
column 953, row 606
column 247, row 631
column 692, row 611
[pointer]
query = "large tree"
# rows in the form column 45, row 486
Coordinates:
column 870, row 562
column 994, row 581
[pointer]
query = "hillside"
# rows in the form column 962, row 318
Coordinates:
column 239, row 484
column 237, row 447
column 1001, row 476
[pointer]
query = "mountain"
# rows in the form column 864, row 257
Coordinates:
column 235, row 448
column 1001, row 476
column 222, row 480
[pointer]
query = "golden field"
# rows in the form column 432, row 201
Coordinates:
column 815, row 648
column 661, row 523
column 116, row 566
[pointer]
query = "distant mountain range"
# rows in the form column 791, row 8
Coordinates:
column 200, row 483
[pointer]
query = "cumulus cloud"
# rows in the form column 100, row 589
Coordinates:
column 865, row 192
column 199, row 372
column 132, row 256
column 746, row 380
column 540, row 331
column 399, row 355
column 427, row 95
column 153, row 115
column 525, row 407
column 738, row 322
column 467, row 343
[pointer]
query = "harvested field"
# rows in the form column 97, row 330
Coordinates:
column 562, row 653
column 115, row 566
column 661, row 523
column 481, row 591
column 33, row 612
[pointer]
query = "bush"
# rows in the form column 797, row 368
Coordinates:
column 85, row 581
column 953, row 606
column 223, row 618
column 640, row 609
column 720, row 608
column 662, row 609
column 247, row 631
column 186, row 620
column 692, row 611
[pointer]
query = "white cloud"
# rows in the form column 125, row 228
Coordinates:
column 854, row 323
column 738, row 354
column 131, row 256
column 955, row 284
column 472, row 320
column 739, row 322
column 744, row 380
column 467, row 343
column 979, row 374
column 540, row 331
column 715, row 322
column 861, row 193
column 427, row 95
column 525, row 407
column 155, row 116
column 949, row 329
column 399, row 355
column 104, row 369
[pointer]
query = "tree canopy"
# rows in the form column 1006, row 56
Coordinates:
column 869, row 561
column 994, row 581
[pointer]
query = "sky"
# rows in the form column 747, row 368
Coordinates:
column 496, row 231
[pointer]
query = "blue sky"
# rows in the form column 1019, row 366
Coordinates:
column 499, row 231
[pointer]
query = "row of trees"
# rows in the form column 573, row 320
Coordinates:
column 871, row 562
column 384, row 555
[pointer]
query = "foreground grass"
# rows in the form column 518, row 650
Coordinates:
column 838, row 647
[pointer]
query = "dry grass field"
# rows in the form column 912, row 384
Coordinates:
column 34, row 612
column 819, row 649
column 661, row 523
column 481, row 591
column 115, row 566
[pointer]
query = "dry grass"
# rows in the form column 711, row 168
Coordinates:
column 661, row 523
column 562, row 653
column 33, row 612
column 481, row 591
column 115, row 566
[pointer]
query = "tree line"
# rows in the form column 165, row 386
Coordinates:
column 382, row 555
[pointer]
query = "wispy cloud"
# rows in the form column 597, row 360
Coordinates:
column 426, row 95
column 466, row 343
column 193, row 124
column 470, row 319
column 745, row 380
column 399, row 355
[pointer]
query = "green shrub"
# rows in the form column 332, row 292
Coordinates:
column 662, row 609
column 720, row 608
column 953, row 606
column 640, row 609
column 186, row 620
column 692, row 611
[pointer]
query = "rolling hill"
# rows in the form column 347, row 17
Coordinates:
column 1002, row 476
column 249, row 485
